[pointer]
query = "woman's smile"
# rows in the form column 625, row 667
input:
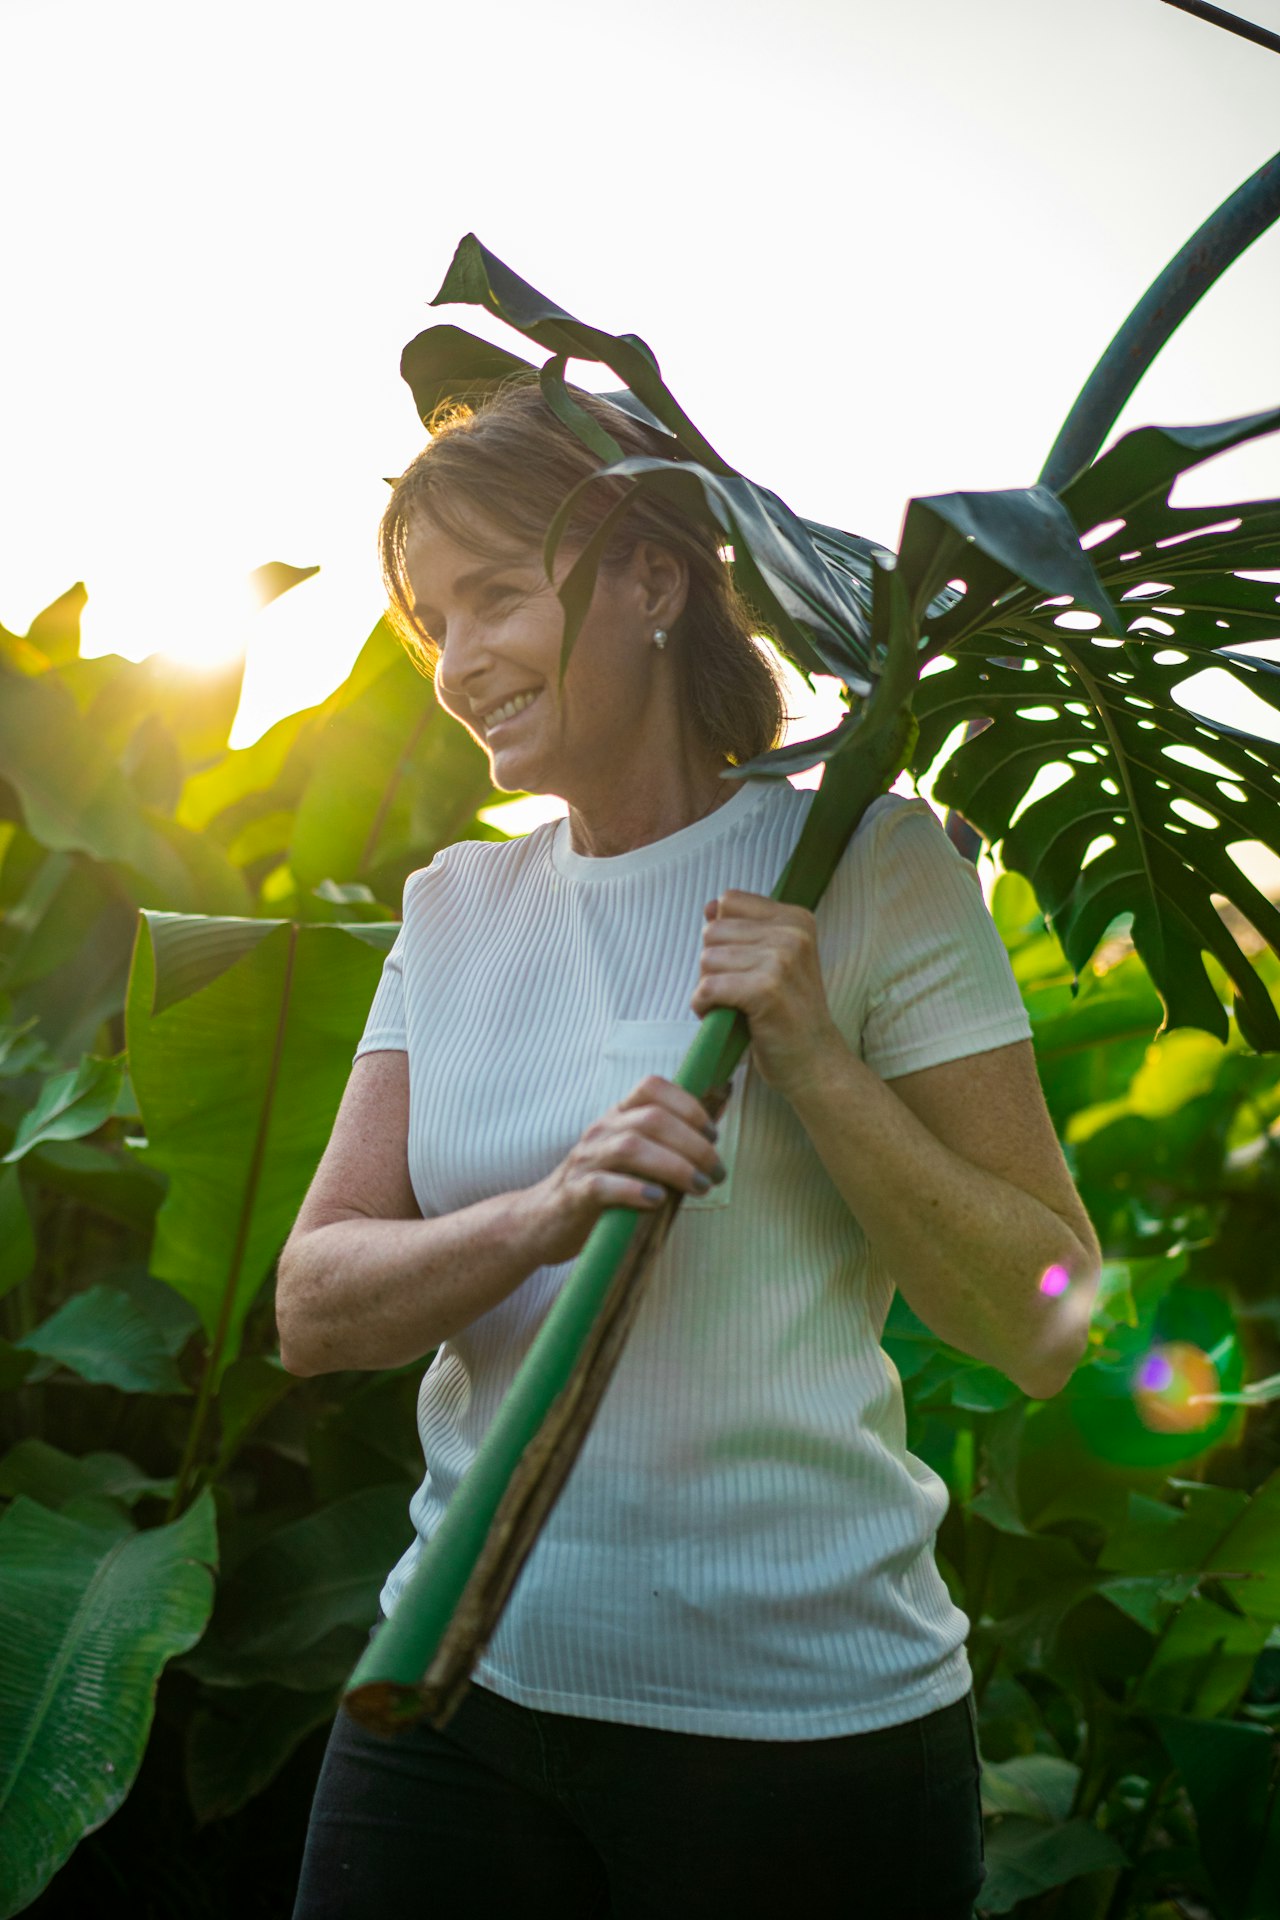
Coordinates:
column 501, row 716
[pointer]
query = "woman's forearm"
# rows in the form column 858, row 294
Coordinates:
column 373, row 1293
column 966, row 1249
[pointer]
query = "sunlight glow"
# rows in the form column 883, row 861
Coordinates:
column 203, row 622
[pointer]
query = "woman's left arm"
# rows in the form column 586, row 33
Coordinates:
column 954, row 1172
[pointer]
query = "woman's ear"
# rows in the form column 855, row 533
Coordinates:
column 662, row 577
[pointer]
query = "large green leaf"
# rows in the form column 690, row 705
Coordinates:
column 238, row 1083
column 87, row 1620
column 1153, row 795
column 392, row 776
column 103, row 1336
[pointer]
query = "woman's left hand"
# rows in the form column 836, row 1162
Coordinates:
column 762, row 957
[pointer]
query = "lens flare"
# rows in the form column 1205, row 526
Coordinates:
column 1170, row 1388
column 1055, row 1280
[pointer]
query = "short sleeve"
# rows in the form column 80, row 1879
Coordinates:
column 939, row 985
column 385, row 1029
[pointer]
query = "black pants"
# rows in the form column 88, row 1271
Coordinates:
column 512, row 1811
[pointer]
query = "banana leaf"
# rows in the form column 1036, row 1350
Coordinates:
column 92, row 1612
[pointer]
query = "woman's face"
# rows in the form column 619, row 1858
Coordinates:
column 499, row 625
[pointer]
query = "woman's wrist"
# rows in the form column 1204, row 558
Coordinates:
column 547, row 1236
column 819, row 1073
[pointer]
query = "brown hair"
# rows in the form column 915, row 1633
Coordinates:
column 509, row 462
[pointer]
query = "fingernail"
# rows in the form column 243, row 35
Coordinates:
column 711, row 1130
column 652, row 1192
column 719, row 1172
column 700, row 1183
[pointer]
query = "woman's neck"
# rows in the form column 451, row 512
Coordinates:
column 632, row 816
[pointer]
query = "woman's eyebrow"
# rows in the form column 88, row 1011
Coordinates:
column 478, row 575
column 468, row 582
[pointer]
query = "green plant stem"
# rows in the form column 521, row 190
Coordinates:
column 1215, row 245
column 1118, row 1905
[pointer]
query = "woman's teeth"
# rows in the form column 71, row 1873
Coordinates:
column 515, row 706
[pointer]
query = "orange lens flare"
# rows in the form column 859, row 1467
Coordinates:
column 1170, row 1384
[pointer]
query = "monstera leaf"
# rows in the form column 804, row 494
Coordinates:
column 1073, row 654
column 1152, row 795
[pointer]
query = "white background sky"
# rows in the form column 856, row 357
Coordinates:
column 876, row 247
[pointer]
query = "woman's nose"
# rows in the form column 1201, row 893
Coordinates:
column 461, row 663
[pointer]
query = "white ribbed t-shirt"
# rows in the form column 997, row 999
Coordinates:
column 745, row 1545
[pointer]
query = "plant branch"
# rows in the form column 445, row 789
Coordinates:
column 1219, row 17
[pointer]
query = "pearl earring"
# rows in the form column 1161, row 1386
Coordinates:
column 659, row 637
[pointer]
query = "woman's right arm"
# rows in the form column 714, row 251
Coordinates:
column 365, row 1282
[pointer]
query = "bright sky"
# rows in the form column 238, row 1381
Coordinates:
column 876, row 248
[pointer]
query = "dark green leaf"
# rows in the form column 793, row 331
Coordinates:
column 1038, row 1786
column 313, row 1576
column 447, row 363
column 1026, row 532
column 103, row 1336
column 237, row 1742
column 53, row 1478
column 71, row 1104
column 1025, row 1859
column 1153, row 795
column 1227, row 1771
column 477, row 277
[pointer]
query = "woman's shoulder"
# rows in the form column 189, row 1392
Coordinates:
column 475, row 866
column 881, row 826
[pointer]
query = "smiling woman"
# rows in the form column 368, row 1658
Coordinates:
column 732, row 1629
column 465, row 526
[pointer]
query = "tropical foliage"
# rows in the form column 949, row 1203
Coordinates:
column 193, row 1540
column 177, row 1504
column 170, row 1490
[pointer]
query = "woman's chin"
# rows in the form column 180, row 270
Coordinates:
column 515, row 772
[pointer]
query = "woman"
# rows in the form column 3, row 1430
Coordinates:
column 730, row 1675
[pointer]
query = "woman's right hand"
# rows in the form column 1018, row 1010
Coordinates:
column 658, row 1138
